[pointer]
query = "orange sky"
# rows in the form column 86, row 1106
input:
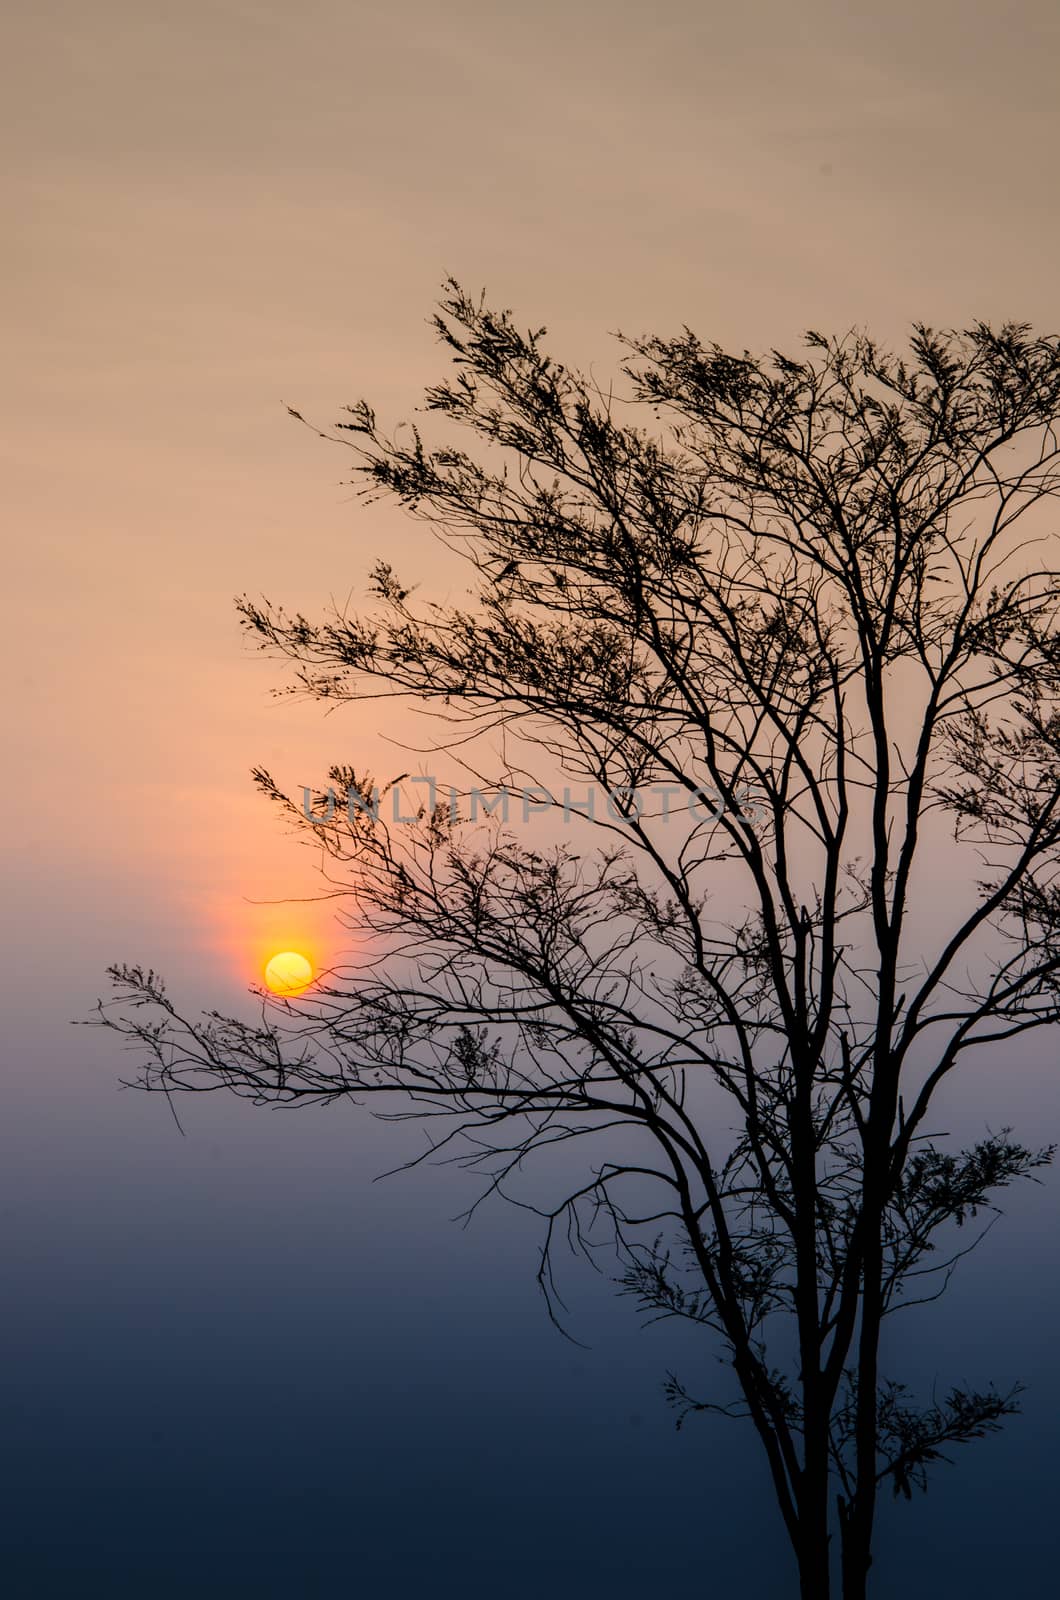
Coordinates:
column 217, row 209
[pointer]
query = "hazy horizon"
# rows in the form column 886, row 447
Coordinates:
column 235, row 1363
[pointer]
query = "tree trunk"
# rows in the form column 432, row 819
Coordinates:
column 857, row 1559
column 814, row 1578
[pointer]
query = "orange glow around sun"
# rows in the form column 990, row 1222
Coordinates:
column 288, row 973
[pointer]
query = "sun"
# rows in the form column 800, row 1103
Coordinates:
column 288, row 973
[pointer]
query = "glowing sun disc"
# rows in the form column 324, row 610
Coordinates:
column 288, row 973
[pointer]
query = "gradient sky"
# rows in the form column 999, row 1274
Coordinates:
column 216, row 210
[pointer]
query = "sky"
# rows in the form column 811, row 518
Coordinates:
column 234, row 1360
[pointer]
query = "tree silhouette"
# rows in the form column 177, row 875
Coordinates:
column 819, row 592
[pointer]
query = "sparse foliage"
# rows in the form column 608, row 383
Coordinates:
column 826, row 588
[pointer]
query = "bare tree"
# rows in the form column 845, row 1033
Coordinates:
column 821, row 591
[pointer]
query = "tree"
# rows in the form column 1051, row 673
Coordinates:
column 818, row 590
